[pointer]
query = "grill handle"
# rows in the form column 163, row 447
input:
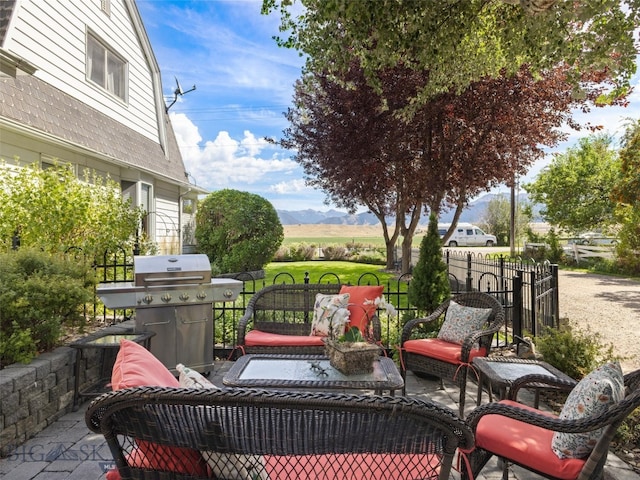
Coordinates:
column 172, row 279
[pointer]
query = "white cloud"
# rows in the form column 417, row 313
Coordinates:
column 292, row 186
column 225, row 161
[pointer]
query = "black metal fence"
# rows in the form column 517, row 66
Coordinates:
column 528, row 291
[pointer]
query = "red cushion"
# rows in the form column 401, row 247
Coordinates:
column 361, row 303
column 135, row 366
column 441, row 350
column 257, row 338
column 523, row 443
column 138, row 459
column 377, row 466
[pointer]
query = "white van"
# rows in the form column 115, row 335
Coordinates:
column 466, row 235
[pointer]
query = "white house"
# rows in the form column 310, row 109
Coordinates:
column 79, row 83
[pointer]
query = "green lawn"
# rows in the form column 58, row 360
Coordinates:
column 345, row 272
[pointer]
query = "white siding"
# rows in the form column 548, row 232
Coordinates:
column 51, row 34
column 167, row 221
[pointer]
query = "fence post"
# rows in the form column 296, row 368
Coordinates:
column 469, row 287
column 516, row 321
column 555, row 294
column 533, row 296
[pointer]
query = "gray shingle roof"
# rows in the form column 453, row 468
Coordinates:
column 33, row 102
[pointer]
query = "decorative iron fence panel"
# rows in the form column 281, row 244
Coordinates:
column 528, row 291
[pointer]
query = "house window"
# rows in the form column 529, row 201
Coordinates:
column 140, row 195
column 105, row 68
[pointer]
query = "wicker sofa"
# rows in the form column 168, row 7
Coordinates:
column 248, row 434
column 278, row 320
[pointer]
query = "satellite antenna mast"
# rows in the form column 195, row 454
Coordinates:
column 178, row 92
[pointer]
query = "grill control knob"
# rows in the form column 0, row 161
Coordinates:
column 201, row 295
column 147, row 299
column 166, row 297
column 184, row 297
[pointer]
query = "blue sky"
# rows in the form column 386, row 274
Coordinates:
column 244, row 84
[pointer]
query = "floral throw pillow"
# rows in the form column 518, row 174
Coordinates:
column 189, row 378
column 592, row 396
column 330, row 312
column 460, row 321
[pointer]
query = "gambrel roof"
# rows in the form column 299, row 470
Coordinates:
column 28, row 100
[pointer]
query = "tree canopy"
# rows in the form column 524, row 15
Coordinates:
column 461, row 41
column 351, row 144
column 576, row 187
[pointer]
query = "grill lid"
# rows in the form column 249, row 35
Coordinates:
column 171, row 269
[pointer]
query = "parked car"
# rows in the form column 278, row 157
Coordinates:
column 466, row 235
column 596, row 238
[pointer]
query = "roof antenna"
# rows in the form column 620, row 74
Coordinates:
column 178, row 92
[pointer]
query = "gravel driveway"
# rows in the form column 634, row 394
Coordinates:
column 607, row 305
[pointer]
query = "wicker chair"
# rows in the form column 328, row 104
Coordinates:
column 287, row 309
column 532, row 424
column 277, row 435
column 454, row 364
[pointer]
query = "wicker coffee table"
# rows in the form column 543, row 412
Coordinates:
column 503, row 371
column 310, row 371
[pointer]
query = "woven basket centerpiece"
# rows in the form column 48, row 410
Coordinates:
column 351, row 357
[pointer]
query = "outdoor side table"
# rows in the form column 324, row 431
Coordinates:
column 310, row 372
column 501, row 372
column 108, row 342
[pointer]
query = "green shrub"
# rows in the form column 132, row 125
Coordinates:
column 238, row 231
column 296, row 252
column 572, row 351
column 39, row 293
column 335, row 252
column 430, row 284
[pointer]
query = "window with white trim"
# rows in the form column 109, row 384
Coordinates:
column 105, row 68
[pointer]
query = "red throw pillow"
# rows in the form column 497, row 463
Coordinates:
column 135, row 366
column 362, row 305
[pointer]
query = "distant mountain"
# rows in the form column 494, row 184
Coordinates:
column 473, row 213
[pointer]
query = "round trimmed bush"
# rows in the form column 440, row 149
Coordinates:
column 238, row 231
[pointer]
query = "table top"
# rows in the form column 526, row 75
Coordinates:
column 505, row 370
column 309, row 371
column 110, row 339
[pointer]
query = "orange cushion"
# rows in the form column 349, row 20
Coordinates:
column 441, row 350
column 376, row 466
column 135, row 366
column 361, row 303
column 257, row 338
column 523, row 443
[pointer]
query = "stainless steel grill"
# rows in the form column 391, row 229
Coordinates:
column 173, row 296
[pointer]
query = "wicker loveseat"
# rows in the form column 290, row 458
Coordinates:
column 248, row 434
column 278, row 320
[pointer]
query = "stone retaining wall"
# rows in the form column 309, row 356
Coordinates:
column 34, row 395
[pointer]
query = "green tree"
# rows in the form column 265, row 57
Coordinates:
column 239, row 231
column 627, row 195
column 497, row 219
column 53, row 210
column 576, row 187
column 429, row 286
column 459, row 42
